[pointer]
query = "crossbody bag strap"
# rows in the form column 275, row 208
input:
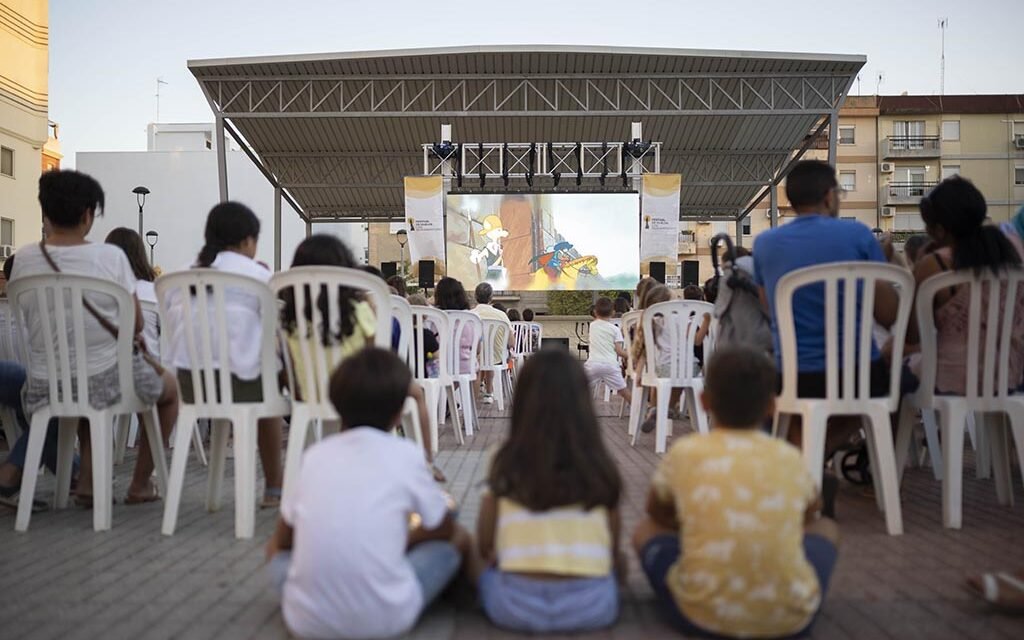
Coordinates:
column 110, row 327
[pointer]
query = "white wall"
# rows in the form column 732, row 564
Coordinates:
column 183, row 188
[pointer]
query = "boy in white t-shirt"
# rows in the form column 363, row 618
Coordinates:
column 367, row 540
column 607, row 347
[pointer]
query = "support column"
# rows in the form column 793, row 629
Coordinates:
column 773, row 204
column 309, row 227
column 833, row 136
column 277, row 228
column 739, row 232
column 222, row 160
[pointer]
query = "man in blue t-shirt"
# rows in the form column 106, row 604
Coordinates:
column 815, row 237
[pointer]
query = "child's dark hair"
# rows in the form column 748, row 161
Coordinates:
column 227, row 225
column 603, row 307
column 527, row 315
column 711, row 289
column 450, row 295
column 323, row 250
column 129, row 241
column 513, row 315
column 65, row 196
column 693, row 292
column 620, row 305
column 369, row 388
column 369, row 268
column 739, row 385
column 554, row 455
column 398, row 284
column 957, row 206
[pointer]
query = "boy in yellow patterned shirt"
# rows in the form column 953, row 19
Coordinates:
column 733, row 545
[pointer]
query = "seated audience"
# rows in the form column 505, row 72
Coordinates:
column 231, row 233
column 954, row 215
column 513, row 315
column 549, row 523
column 693, row 292
column 397, row 284
column 528, row 316
column 732, row 543
column 606, row 351
column 367, row 540
column 484, row 296
column 914, row 248
column 70, row 201
column 620, row 306
column 651, row 296
column 130, row 242
column 451, row 296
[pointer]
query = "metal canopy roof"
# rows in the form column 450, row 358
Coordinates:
column 338, row 132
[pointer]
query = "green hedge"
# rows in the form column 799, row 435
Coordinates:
column 575, row 303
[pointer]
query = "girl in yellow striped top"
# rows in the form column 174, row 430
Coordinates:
column 548, row 529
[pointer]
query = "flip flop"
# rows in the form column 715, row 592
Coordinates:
column 271, row 499
column 989, row 590
column 134, row 499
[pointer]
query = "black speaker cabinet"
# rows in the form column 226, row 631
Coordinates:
column 658, row 271
column 691, row 272
column 426, row 274
column 389, row 269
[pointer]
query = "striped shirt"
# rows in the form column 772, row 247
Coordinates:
column 566, row 541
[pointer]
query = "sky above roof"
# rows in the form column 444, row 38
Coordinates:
column 105, row 57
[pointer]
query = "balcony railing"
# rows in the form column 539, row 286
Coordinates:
column 911, row 147
column 907, row 192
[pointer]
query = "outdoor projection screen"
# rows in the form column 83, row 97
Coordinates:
column 542, row 241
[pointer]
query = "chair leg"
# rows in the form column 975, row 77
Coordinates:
column 67, row 434
column 197, row 443
column 466, row 393
column 33, row 458
column 100, row 431
column 122, row 425
column 662, row 422
column 1015, row 413
column 432, row 395
column 904, row 435
column 698, row 411
column 931, row 434
column 156, row 446
column 176, row 480
column 872, row 459
column 454, row 408
column 499, row 392
column 982, row 451
column 636, row 411
column 813, row 437
column 297, row 436
column 952, row 425
column 995, row 428
column 245, row 476
column 886, row 482
column 219, row 431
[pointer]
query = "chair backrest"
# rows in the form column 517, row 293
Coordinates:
column 151, row 331
column 538, row 333
column 196, row 327
column 629, row 322
column 465, row 326
column 849, row 295
column 316, row 287
column 436, row 321
column 987, row 376
column 56, row 335
column 495, row 343
column 670, row 328
column 12, row 341
column 522, row 336
column 401, row 311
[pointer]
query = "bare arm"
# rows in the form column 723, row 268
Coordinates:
column 620, row 351
column 281, row 539
column 443, row 531
column 485, row 525
column 886, row 304
column 619, row 561
column 661, row 511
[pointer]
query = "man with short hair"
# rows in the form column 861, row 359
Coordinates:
column 484, row 294
column 817, row 236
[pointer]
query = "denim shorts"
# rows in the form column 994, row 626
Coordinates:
column 435, row 563
column 532, row 605
column 661, row 552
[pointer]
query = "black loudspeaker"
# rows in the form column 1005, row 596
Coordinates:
column 426, row 274
column 657, row 271
column 389, row 269
column 691, row 272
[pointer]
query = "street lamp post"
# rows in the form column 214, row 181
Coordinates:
column 151, row 238
column 403, row 238
column 140, row 197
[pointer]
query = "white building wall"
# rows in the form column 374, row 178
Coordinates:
column 183, row 188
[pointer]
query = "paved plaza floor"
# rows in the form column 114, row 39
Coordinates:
column 62, row 580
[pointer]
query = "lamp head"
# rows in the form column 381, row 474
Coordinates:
column 140, row 194
column 151, row 238
column 403, row 237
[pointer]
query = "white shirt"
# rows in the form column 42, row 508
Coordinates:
column 603, row 336
column 146, row 292
column 104, row 261
column 349, row 576
column 242, row 315
column 487, row 312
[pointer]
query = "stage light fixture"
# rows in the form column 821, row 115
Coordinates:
column 636, row 148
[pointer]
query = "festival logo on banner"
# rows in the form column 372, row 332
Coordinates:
column 659, row 210
column 424, row 219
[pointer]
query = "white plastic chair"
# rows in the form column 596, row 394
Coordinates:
column 435, row 320
column 494, row 358
column 537, row 330
column 401, row 312
column 989, row 389
column 11, row 342
column 194, row 317
column 463, row 323
column 61, row 334
column 847, row 383
column 628, row 324
column 523, row 346
column 307, row 286
column 678, row 322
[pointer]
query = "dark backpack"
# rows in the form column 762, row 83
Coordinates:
column 741, row 318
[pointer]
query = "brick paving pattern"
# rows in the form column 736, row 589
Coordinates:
column 62, row 580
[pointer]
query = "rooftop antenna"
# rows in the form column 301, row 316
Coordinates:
column 943, row 23
column 878, row 82
column 858, row 84
column 159, row 81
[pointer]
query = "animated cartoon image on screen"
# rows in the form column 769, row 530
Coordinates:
column 490, row 254
column 561, row 268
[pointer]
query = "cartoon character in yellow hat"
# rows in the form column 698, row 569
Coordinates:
column 490, row 254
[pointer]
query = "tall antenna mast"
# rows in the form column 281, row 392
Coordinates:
column 943, row 23
column 878, row 82
column 159, row 81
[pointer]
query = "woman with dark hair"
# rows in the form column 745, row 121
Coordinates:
column 549, row 525
column 450, row 295
column 130, row 242
column 232, row 231
column 954, row 217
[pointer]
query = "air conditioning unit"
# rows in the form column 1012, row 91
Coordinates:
column 6, row 251
column 886, row 167
column 1018, row 141
column 888, row 212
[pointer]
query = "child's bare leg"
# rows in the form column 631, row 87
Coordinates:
column 487, row 377
column 826, row 528
column 472, row 563
column 167, row 414
column 268, row 438
column 626, row 394
column 646, row 530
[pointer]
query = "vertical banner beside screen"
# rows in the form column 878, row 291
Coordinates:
column 424, row 219
column 659, row 220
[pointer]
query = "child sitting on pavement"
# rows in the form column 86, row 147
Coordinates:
column 606, row 350
column 343, row 556
column 732, row 544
